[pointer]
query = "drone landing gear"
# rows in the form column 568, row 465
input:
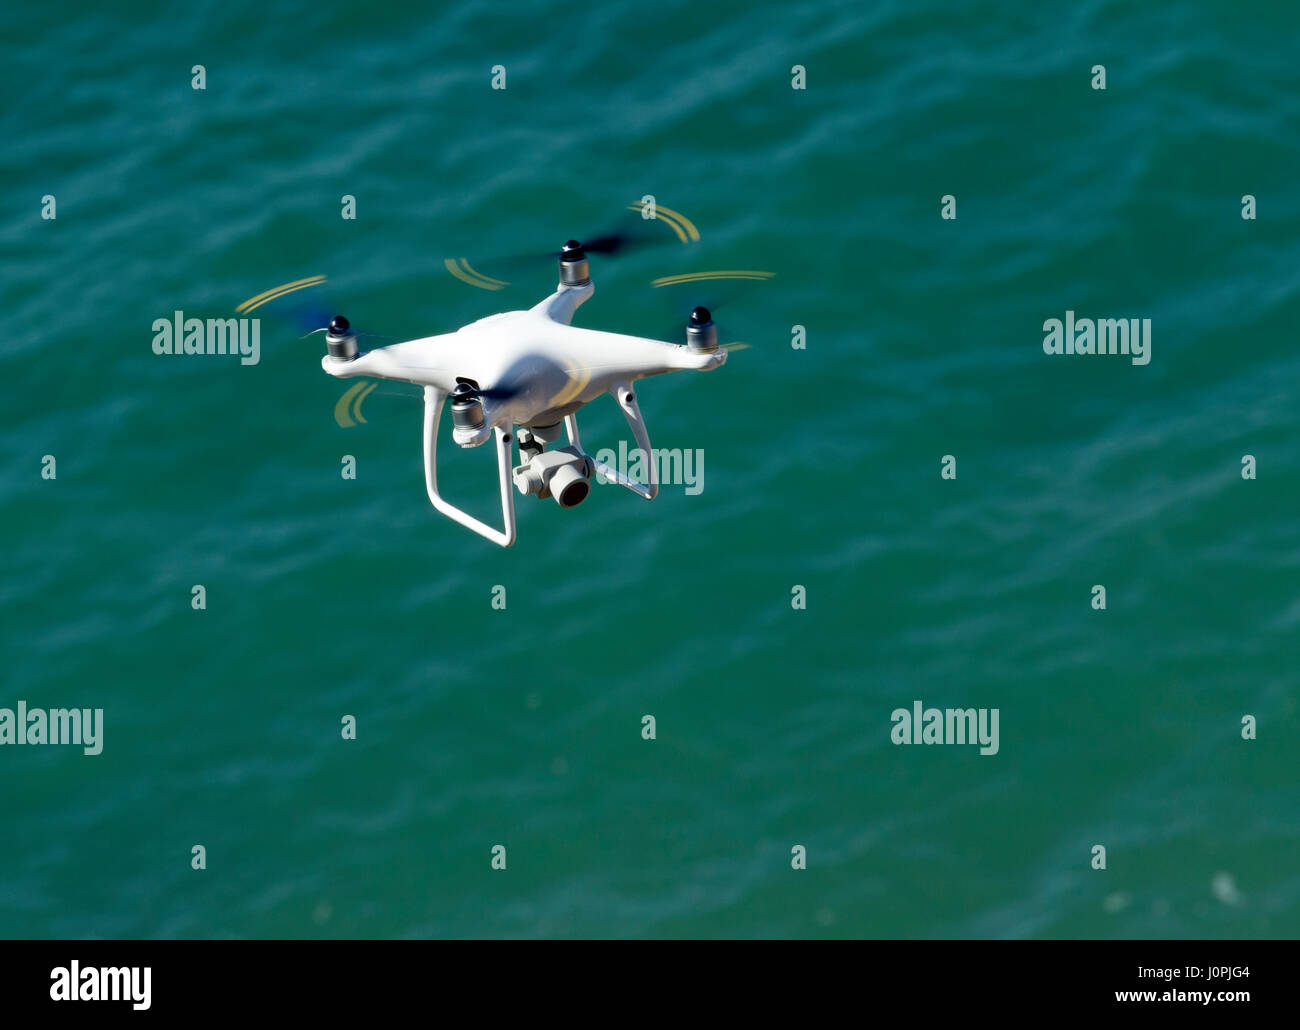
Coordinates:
column 562, row 473
column 433, row 399
column 632, row 411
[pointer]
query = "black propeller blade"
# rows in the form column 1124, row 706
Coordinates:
column 312, row 318
column 682, row 302
column 614, row 243
column 636, row 234
column 490, row 393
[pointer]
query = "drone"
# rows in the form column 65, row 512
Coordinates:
column 532, row 370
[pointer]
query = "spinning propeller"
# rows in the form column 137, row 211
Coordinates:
column 502, row 268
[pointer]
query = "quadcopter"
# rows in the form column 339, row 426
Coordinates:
column 532, row 370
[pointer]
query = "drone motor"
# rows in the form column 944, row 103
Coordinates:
column 701, row 333
column 340, row 340
column 467, row 417
column 573, row 265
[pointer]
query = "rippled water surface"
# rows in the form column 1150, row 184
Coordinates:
column 477, row 727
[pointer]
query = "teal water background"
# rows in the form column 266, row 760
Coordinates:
column 522, row 727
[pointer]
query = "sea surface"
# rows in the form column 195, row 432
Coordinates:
column 522, row 727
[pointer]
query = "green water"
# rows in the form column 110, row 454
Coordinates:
column 522, row 727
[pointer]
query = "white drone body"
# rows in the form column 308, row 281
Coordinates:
column 531, row 369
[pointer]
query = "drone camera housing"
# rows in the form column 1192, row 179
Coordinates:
column 564, row 473
column 569, row 487
column 340, row 340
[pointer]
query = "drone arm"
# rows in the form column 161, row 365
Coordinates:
column 560, row 305
column 433, row 399
column 627, row 401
